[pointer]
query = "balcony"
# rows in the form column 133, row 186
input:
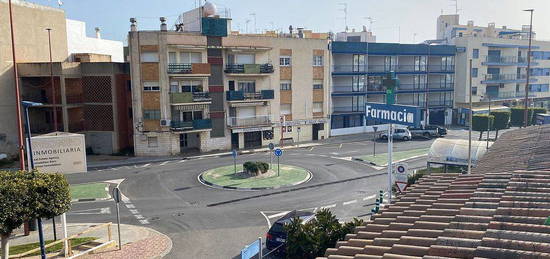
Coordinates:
column 249, row 69
column 251, row 121
column 255, row 96
column 348, row 90
column 505, row 78
column 188, row 97
column 431, row 104
column 507, row 95
column 199, row 124
column 191, row 69
column 382, row 69
column 348, row 109
column 505, row 61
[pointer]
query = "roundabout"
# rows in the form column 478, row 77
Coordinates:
column 225, row 177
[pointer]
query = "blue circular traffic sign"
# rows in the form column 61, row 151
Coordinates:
column 234, row 153
column 278, row 152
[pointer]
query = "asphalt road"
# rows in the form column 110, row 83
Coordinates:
column 205, row 222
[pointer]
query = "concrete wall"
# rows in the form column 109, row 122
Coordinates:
column 31, row 41
column 78, row 42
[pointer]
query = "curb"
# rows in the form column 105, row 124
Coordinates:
column 213, row 185
column 88, row 200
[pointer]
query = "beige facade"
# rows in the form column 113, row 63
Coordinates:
column 219, row 93
column 31, row 41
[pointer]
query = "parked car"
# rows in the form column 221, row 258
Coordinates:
column 429, row 131
column 401, row 134
column 276, row 236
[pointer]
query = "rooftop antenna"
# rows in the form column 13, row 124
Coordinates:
column 246, row 25
column 414, row 37
column 254, row 15
column 345, row 10
column 371, row 21
column 456, row 6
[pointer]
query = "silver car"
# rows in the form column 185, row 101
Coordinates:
column 401, row 134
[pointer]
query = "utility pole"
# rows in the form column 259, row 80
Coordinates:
column 488, row 121
column 255, row 28
column 470, row 124
column 51, row 82
column 526, row 112
column 345, row 10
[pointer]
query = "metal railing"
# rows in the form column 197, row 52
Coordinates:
column 506, row 95
column 505, row 59
column 342, row 109
column 241, row 95
column 391, row 68
column 249, row 68
column 249, row 121
column 180, row 68
column 501, row 77
column 191, row 125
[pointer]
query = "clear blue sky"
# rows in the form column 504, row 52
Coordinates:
column 412, row 16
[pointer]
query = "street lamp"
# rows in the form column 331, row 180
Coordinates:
column 54, row 108
column 27, row 105
column 526, row 112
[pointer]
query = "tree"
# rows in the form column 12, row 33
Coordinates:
column 29, row 195
column 311, row 240
column 480, row 123
column 502, row 121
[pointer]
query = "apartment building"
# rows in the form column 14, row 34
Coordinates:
column 201, row 88
column 425, row 73
column 499, row 66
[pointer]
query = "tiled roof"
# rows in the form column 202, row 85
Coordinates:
column 493, row 214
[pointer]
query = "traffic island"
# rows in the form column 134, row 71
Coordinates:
column 225, row 177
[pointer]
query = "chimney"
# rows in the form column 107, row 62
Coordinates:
column 300, row 32
column 133, row 26
column 163, row 26
column 97, row 33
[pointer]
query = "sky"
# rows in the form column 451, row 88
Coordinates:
column 405, row 21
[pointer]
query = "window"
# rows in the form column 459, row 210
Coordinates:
column 190, row 57
column 317, row 84
column 152, row 142
column 151, row 114
column 460, row 34
column 286, row 85
column 540, row 71
column 318, row 107
column 284, row 61
column 286, row 109
column 174, row 86
column 474, row 90
column 317, row 61
column 191, row 86
column 540, row 55
column 475, row 53
column 538, row 88
column 172, row 57
column 149, row 56
column 247, row 86
column 474, row 72
column 151, row 86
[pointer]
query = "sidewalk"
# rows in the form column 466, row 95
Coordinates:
column 137, row 241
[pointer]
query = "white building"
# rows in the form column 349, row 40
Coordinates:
column 499, row 66
column 78, row 42
column 356, row 36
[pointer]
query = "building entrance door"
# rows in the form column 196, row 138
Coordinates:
column 253, row 139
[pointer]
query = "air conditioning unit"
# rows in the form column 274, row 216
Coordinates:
column 165, row 123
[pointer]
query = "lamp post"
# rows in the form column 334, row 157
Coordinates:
column 27, row 105
column 471, row 114
column 55, row 127
column 526, row 112
column 488, row 121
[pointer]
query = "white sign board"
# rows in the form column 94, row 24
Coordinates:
column 59, row 152
column 401, row 174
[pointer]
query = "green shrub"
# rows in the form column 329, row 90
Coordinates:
column 250, row 167
column 262, row 166
column 480, row 122
column 518, row 115
column 502, row 120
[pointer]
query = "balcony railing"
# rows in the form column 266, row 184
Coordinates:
column 198, row 124
column 504, row 77
column 506, row 95
column 505, row 60
column 189, row 68
column 249, row 68
column 348, row 109
column 392, row 68
column 189, row 97
column 250, row 121
column 447, row 103
column 244, row 96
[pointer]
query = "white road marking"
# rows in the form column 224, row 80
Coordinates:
column 145, row 165
column 311, row 149
column 138, row 216
column 349, row 202
column 266, row 219
column 329, row 206
column 278, row 214
column 347, row 158
column 369, row 197
column 315, row 210
column 144, row 222
column 340, row 147
column 130, row 206
column 95, row 211
column 181, row 161
column 114, row 169
column 164, row 163
column 134, row 211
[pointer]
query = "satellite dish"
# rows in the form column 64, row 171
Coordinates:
column 209, row 9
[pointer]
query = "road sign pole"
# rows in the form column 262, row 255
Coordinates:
column 390, row 151
column 235, row 165
column 374, row 140
column 116, row 197
column 260, row 254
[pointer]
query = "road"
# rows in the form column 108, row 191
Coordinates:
column 205, row 222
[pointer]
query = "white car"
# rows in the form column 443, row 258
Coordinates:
column 402, row 134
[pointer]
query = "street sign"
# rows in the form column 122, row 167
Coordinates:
column 271, row 146
column 396, row 114
column 116, row 195
column 234, row 153
column 251, row 250
column 278, row 152
column 401, row 176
